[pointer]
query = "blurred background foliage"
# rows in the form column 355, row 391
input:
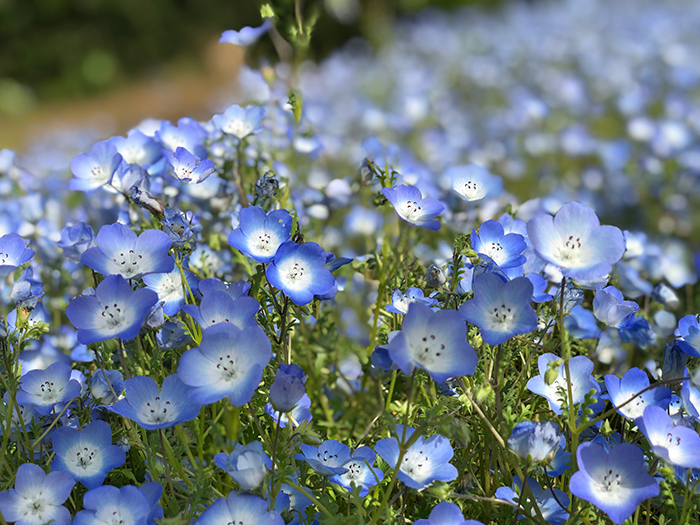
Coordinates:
column 53, row 50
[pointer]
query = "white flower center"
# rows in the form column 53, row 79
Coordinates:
column 572, row 249
column 415, row 464
column 128, row 262
column 261, row 243
column 112, row 315
column 48, row 392
column 354, row 472
column 227, row 366
column 158, row 411
column 239, row 128
column 4, row 257
column 428, row 349
column 411, row 210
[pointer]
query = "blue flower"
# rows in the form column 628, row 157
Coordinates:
column 235, row 290
column 581, row 323
column 153, row 408
column 492, row 244
column 688, row 335
column 229, row 362
column 446, row 513
column 473, row 182
column 412, row 207
column 75, row 240
column 632, row 382
column 260, row 234
column 299, row 414
column 240, row 122
column 679, row 445
column 88, row 455
column 37, row 497
column 298, row 270
column 120, row 252
column 610, row 308
column 426, row 461
column 95, row 169
column 188, row 134
column 575, row 241
column 545, row 499
column 637, row 330
column 247, row 465
column 180, row 227
column 500, row 309
column 137, row 148
column 615, row 481
column 237, row 508
column 433, row 341
column 106, row 504
column 288, row 388
column 13, row 253
column 246, row 35
column 359, row 471
column 26, row 291
column 114, row 311
column 101, row 384
column 539, row 285
column 400, row 302
column 538, row 441
column 185, row 167
column 582, row 382
column 691, row 398
column 219, row 307
column 327, row 459
column 48, row 389
column 153, row 491
column 170, row 289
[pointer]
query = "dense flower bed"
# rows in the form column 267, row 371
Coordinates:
column 331, row 307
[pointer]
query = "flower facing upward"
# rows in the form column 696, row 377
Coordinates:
column 615, row 481
column 260, row 234
column 240, row 122
column 433, row 341
column 47, row 389
column 359, row 471
column 679, row 445
column 239, row 508
column 298, row 270
column 492, row 244
column 37, row 497
column 632, row 382
column 575, row 241
column 113, row 506
column 446, row 513
column 185, row 167
column 95, row 169
column 500, row 309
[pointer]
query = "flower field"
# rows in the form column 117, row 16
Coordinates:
column 448, row 280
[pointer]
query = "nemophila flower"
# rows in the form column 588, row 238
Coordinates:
column 95, row 169
column 170, row 289
column 37, row 497
column 500, row 309
column 104, row 384
column 446, row 513
column 114, row 311
column 26, row 291
column 107, row 505
column 13, row 253
column 679, row 445
column 228, row 362
column 137, row 148
column 545, row 499
column 87, row 455
column 359, row 471
column 27, row 413
column 185, row 167
column 288, row 387
column 691, row 398
column 425, row 462
column 575, row 241
column 260, row 234
column 492, row 244
column 637, row 330
column 246, row 35
column 153, row 491
column 45, row 389
column 610, row 308
column 299, row 414
column 539, row 288
column 615, row 481
column 473, row 182
column 219, row 307
column 298, row 270
column 247, row 465
column 235, row 290
column 582, row 382
column 433, row 341
column 560, row 462
column 75, row 240
column 120, row 252
column 674, row 362
column 332, row 264
column 632, row 382
column 179, row 226
column 412, row 207
column 327, row 459
column 188, row 134
column 688, row 335
column 581, row 323
column 239, row 508
column 240, row 122
column 666, row 296
column 153, row 408
column 538, row 441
